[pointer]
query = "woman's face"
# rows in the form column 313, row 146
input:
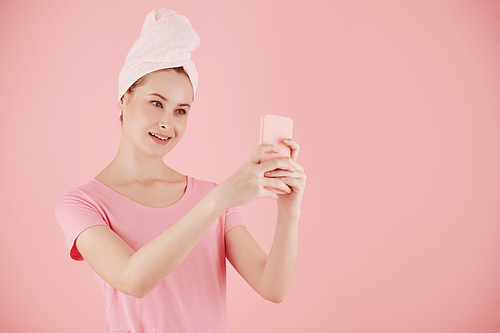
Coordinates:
column 155, row 115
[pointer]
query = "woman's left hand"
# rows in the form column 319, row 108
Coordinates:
column 296, row 180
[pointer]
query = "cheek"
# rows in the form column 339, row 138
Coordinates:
column 181, row 125
column 135, row 122
column 141, row 119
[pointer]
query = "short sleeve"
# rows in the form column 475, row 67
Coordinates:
column 232, row 219
column 75, row 212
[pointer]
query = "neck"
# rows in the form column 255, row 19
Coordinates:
column 131, row 166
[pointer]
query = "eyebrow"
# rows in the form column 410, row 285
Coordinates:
column 166, row 100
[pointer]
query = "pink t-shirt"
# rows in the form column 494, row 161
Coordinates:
column 193, row 297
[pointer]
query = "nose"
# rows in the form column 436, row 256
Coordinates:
column 166, row 121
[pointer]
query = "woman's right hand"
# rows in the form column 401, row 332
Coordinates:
column 248, row 182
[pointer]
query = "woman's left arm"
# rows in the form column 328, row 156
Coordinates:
column 271, row 275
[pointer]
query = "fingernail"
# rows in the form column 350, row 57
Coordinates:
column 287, row 140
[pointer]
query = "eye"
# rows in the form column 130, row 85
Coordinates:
column 181, row 111
column 157, row 104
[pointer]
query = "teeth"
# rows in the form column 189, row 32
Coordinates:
column 159, row 137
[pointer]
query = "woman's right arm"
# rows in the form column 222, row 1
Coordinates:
column 137, row 273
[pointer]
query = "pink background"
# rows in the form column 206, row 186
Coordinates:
column 397, row 110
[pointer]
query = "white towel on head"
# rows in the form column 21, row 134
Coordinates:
column 167, row 40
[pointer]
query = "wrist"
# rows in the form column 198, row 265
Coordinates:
column 216, row 199
column 289, row 214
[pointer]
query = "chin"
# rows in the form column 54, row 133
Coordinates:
column 163, row 151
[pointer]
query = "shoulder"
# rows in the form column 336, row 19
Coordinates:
column 76, row 211
column 79, row 193
column 199, row 185
column 87, row 195
column 81, row 205
column 197, row 189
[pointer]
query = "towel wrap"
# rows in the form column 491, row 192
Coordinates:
column 167, row 40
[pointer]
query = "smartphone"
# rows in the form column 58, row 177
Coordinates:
column 273, row 130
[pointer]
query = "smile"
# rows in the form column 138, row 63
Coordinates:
column 159, row 137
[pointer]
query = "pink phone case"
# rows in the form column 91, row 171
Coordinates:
column 273, row 130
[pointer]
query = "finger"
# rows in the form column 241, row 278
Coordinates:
column 284, row 163
column 266, row 193
column 259, row 152
column 295, row 185
column 282, row 173
column 295, row 180
column 276, row 184
column 294, row 146
column 294, row 163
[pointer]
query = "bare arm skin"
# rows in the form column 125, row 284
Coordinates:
column 137, row 273
column 271, row 275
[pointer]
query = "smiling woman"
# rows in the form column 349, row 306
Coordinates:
column 158, row 109
column 142, row 79
column 157, row 239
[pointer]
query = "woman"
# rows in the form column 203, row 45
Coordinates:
column 156, row 239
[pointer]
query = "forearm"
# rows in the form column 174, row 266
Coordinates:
column 279, row 269
column 147, row 267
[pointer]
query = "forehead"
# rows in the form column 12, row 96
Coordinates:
column 169, row 82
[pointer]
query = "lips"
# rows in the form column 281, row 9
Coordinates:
column 159, row 136
column 163, row 140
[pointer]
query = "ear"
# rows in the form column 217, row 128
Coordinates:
column 121, row 103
